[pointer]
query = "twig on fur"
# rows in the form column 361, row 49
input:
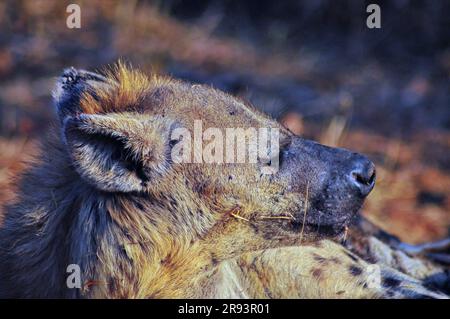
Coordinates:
column 345, row 234
column 275, row 217
column 306, row 210
column 290, row 215
column 90, row 283
column 235, row 215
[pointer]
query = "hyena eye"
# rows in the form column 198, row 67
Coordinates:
column 274, row 158
column 265, row 161
column 174, row 142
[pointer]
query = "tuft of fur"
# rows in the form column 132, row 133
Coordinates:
column 125, row 90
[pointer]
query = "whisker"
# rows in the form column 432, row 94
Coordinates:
column 276, row 217
column 306, row 210
column 235, row 215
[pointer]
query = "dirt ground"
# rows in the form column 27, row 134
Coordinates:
column 384, row 94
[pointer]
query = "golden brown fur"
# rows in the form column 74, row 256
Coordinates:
column 104, row 195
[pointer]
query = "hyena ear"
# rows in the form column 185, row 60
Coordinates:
column 72, row 84
column 118, row 152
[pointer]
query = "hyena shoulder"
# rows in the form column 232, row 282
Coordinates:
column 323, row 270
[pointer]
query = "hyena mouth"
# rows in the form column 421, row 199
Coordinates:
column 328, row 226
column 331, row 231
column 326, row 230
column 300, row 224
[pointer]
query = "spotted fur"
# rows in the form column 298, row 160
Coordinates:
column 104, row 194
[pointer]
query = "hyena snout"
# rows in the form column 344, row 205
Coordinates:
column 334, row 181
column 330, row 171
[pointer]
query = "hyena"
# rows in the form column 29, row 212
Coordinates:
column 105, row 194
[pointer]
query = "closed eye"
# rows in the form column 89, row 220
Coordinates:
column 278, row 155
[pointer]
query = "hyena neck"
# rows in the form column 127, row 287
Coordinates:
column 60, row 220
column 57, row 221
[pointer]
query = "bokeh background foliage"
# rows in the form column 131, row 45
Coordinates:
column 312, row 64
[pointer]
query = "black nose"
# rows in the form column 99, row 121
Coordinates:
column 362, row 174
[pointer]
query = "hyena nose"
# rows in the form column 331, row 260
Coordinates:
column 362, row 174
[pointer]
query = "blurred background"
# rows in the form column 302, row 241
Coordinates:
column 312, row 64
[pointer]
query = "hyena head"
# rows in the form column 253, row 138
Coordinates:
column 125, row 133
